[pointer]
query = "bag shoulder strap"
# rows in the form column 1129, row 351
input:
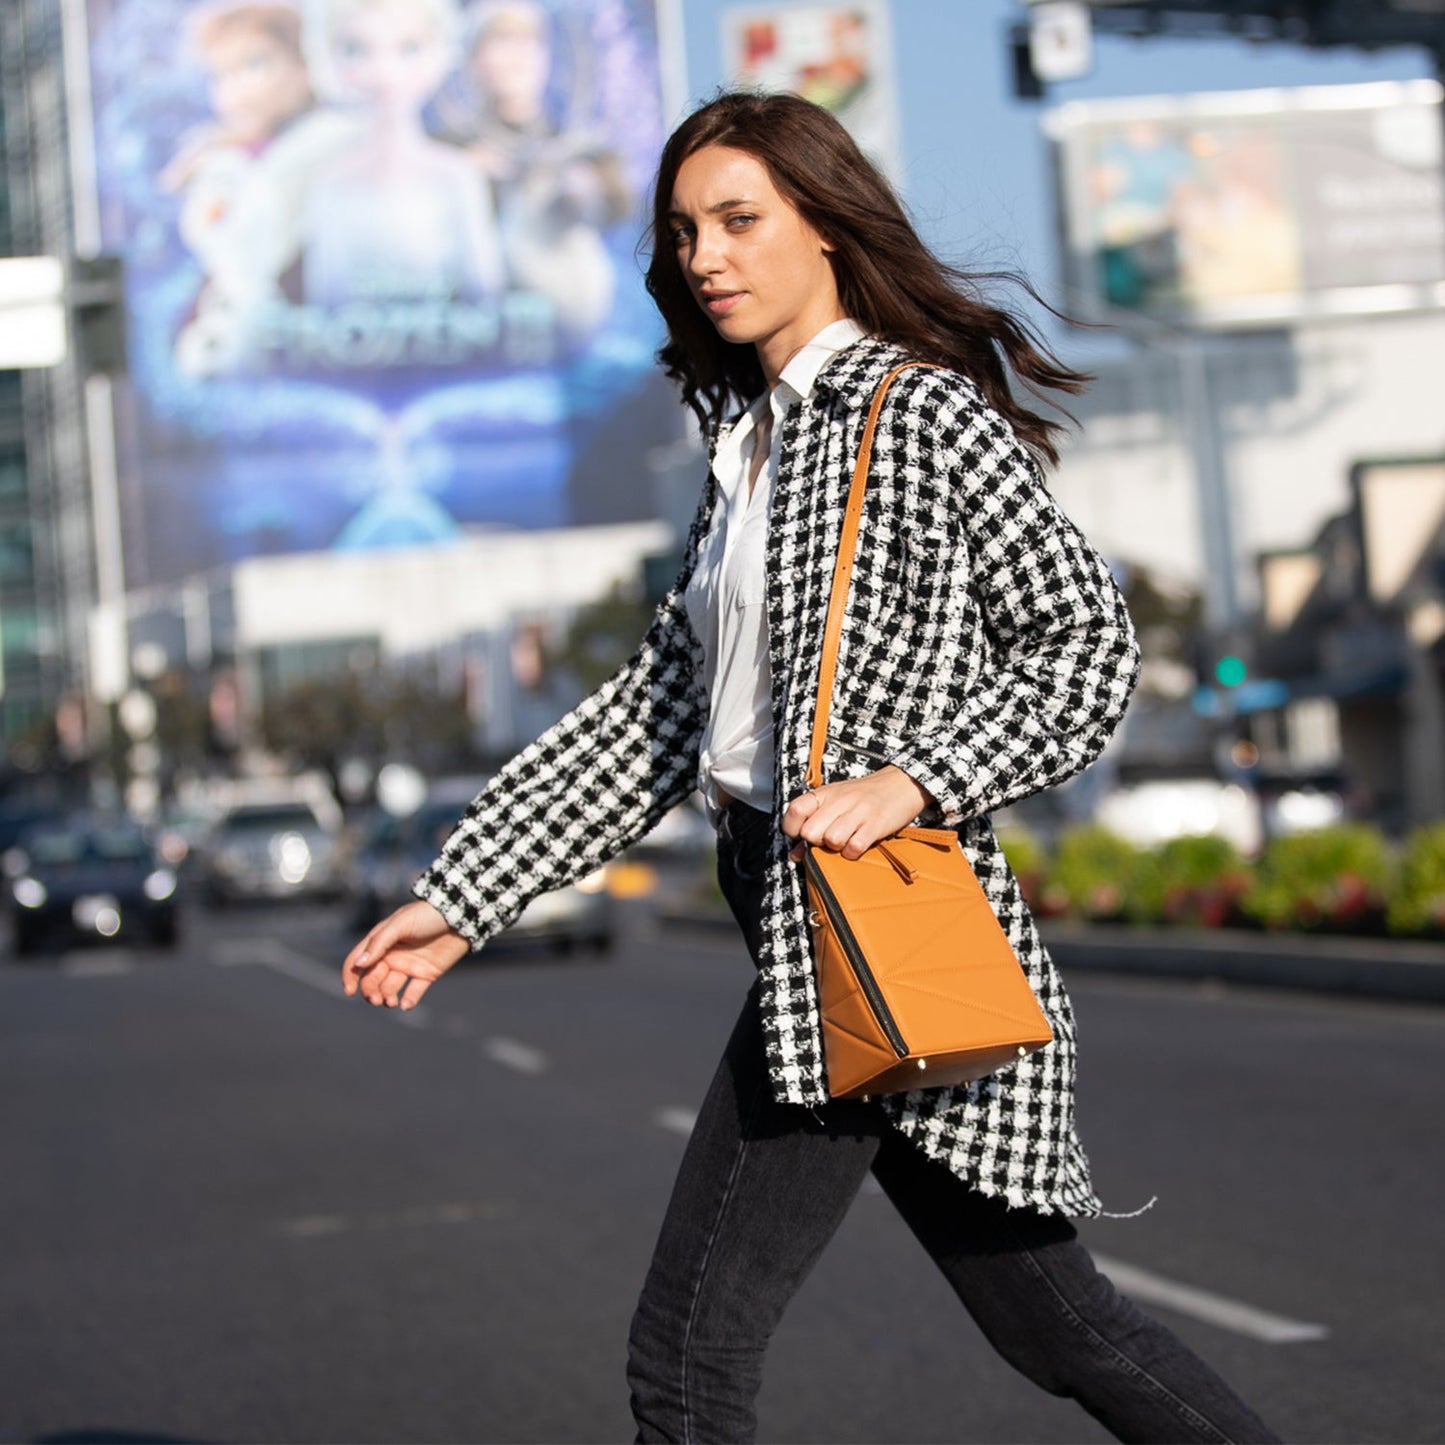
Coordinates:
column 842, row 575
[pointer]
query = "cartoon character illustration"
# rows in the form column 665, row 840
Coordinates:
column 555, row 185
column 394, row 215
column 259, row 88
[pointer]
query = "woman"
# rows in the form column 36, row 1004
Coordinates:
column 986, row 654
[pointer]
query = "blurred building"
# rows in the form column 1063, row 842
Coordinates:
column 332, row 437
column 46, row 553
column 1274, row 264
column 1352, row 640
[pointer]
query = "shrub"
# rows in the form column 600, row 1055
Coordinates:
column 1029, row 863
column 1198, row 879
column 1417, row 902
column 1333, row 878
column 1094, row 872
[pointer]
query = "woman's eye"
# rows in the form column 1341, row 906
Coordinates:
column 741, row 219
column 680, row 235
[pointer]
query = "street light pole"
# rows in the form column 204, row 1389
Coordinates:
column 1190, row 351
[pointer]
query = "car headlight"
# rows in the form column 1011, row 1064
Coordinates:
column 30, row 892
column 159, row 885
column 293, row 857
column 593, row 882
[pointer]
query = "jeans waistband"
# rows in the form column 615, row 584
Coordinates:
column 735, row 819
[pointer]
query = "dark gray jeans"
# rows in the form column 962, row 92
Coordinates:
column 762, row 1188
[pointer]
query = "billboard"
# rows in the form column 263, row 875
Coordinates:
column 1254, row 207
column 838, row 56
column 381, row 272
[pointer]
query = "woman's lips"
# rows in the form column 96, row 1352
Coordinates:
column 719, row 303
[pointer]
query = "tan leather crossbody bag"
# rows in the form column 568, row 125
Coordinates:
column 918, row 985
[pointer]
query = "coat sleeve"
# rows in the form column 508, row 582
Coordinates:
column 1062, row 658
column 592, row 784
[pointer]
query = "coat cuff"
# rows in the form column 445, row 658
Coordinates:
column 468, row 915
column 941, row 786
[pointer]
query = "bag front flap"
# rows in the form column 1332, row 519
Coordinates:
column 934, row 945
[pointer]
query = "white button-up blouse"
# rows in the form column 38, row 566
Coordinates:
column 726, row 593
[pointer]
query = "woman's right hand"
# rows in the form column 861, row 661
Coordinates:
column 402, row 957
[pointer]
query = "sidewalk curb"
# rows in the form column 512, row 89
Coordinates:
column 1379, row 968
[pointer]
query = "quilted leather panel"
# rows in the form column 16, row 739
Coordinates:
column 952, row 984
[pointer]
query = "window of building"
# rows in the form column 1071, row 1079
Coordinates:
column 17, row 554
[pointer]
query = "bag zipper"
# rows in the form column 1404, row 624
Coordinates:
column 861, row 971
column 858, row 751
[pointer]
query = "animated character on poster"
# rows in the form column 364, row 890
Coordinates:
column 555, row 185
column 259, row 88
column 397, row 215
column 376, row 287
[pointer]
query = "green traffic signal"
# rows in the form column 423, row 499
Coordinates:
column 1230, row 670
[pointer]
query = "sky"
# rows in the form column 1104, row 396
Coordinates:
column 975, row 174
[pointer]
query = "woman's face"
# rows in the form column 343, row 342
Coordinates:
column 759, row 271
column 390, row 56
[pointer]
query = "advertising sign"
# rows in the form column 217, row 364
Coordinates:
column 382, row 282
column 838, row 56
column 1255, row 207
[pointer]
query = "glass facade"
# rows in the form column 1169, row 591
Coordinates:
column 32, row 182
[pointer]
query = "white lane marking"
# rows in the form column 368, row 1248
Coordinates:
column 1146, row 1287
column 318, row 1226
column 273, row 955
column 313, row 1226
column 510, row 1054
column 107, row 966
column 232, row 952
column 677, row 1121
column 268, row 953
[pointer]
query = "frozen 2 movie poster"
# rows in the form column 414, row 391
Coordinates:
column 381, row 260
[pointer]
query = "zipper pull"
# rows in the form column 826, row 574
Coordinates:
column 900, row 864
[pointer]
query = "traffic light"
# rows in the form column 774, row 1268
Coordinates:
column 1026, row 84
column 1230, row 670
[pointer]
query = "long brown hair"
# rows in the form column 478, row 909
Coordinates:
column 888, row 280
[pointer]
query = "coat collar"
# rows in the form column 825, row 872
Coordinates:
column 852, row 376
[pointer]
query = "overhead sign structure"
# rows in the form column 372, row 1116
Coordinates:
column 1254, row 208
column 1061, row 40
column 380, row 268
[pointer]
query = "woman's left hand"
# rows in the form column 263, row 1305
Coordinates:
column 850, row 817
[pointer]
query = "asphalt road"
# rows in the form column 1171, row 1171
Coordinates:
column 240, row 1208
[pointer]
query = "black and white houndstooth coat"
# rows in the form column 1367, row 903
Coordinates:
column 986, row 651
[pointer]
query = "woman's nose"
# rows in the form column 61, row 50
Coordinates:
column 706, row 258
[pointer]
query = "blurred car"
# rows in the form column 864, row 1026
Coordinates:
column 89, row 879
column 683, row 832
column 181, row 835
column 399, row 850
column 286, row 848
column 19, row 816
